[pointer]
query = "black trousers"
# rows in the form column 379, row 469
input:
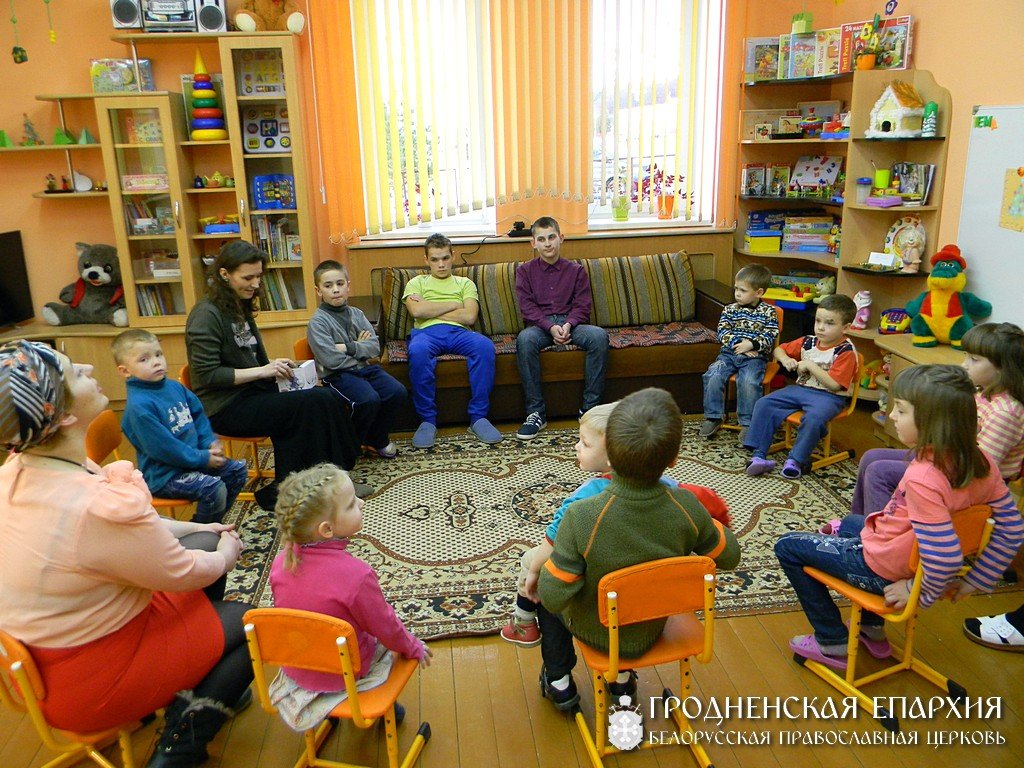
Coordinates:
column 306, row 427
column 556, row 648
column 232, row 674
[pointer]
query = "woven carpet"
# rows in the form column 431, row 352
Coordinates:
column 446, row 527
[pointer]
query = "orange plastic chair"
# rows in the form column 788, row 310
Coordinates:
column 301, row 350
column 672, row 588
column 104, row 437
column 771, row 370
column 824, row 456
column 252, row 447
column 973, row 527
column 306, row 640
column 22, row 688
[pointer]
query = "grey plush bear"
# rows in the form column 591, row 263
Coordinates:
column 97, row 296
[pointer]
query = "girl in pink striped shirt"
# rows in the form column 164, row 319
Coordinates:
column 994, row 359
column 934, row 412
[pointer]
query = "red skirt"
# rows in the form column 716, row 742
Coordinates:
column 134, row 671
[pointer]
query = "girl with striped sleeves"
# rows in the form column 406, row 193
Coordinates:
column 934, row 413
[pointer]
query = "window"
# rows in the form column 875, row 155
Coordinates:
column 467, row 108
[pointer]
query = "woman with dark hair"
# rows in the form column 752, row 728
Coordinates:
column 236, row 381
column 122, row 609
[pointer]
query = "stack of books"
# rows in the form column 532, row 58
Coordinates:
column 807, row 233
column 764, row 231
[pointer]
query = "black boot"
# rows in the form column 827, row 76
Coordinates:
column 190, row 723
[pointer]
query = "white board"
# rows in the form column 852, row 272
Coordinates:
column 991, row 232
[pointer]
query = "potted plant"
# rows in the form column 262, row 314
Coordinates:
column 866, row 45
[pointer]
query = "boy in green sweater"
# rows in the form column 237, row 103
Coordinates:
column 635, row 520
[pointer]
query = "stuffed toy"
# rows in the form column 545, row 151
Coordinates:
column 942, row 313
column 824, row 287
column 97, row 296
column 862, row 300
column 269, row 15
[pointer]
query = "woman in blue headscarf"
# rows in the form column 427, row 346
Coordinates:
column 121, row 617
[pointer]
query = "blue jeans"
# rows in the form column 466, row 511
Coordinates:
column 819, row 408
column 214, row 490
column 749, row 385
column 532, row 339
column 375, row 397
column 427, row 344
column 841, row 556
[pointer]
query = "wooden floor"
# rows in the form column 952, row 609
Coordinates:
column 482, row 701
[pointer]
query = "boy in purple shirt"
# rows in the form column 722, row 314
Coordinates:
column 554, row 297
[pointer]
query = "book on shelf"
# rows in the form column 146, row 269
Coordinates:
column 785, row 48
column 777, row 179
column 761, row 58
column 753, row 179
column 260, row 72
column 293, row 248
column 914, row 181
column 826, row 52
column 802, row 51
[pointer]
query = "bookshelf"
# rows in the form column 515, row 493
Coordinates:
column 145, row 172
column 274, row 216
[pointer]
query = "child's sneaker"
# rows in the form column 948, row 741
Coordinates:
column 759, row 466
column 389, row 451
column 526, row 635
column 628, row 688
column 709, row 427
column 564, row 700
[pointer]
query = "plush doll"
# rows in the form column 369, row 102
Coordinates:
column 824, row 287
column 862, row 300
column 269, row 15
column 97, row 296
column 942, row 313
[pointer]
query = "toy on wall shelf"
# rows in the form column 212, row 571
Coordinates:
column 268, row 15
column 894, row 320
column 942, row 314
column 898, row 113
column 30, row 138
column 906, row 240
column 5, row 140
column 862, row 300
column 62, row 137
column 870, row 373
column 85, row 137
column 97, row 296
column 207, row 116
column 826, row 286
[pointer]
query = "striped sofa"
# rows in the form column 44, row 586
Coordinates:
column 646, row 303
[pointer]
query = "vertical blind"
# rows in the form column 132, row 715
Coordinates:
column 462, row 105
column 657, row 98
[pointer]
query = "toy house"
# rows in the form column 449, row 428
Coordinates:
column 898, row 113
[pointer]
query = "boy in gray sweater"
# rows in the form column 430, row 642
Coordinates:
column 343, row 343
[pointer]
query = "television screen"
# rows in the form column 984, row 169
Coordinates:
column 15, row 297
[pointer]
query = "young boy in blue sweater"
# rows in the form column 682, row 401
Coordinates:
column 178, row 453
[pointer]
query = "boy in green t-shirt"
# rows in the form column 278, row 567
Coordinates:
column 636, row 519
column 443, row 306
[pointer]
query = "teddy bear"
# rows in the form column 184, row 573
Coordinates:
column 97, row 296
column 826, row 286
column 268, row 15
column 942, row 313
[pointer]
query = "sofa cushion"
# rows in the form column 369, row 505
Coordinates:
column 618, row 338
column 640, row 290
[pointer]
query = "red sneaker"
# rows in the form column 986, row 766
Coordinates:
column 526, row 635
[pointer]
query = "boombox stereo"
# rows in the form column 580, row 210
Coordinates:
column 170, row 15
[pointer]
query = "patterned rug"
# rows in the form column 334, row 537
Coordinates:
column 447, row 527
